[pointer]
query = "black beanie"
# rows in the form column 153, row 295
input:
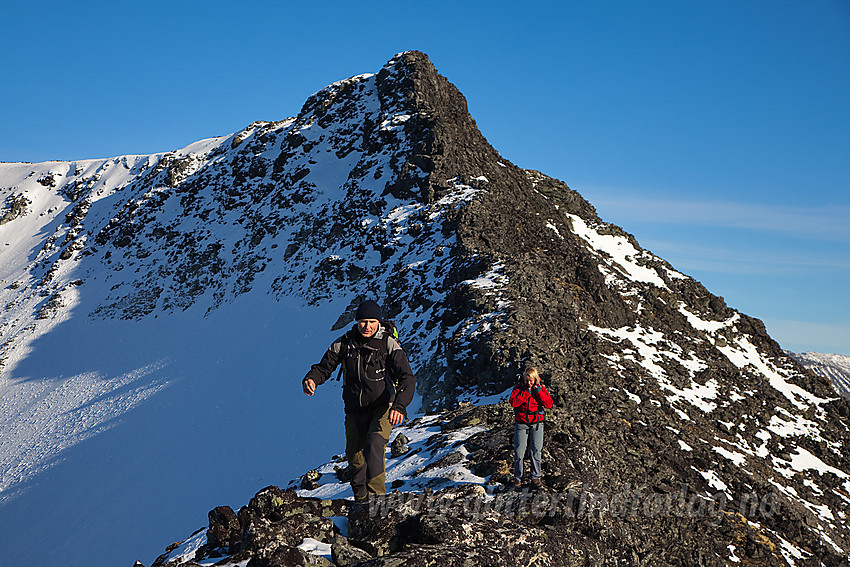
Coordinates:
column 368, row 310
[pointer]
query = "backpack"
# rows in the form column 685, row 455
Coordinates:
column 390, row 330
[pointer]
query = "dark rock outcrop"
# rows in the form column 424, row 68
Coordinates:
column 576, row 519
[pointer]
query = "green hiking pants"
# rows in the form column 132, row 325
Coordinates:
column 366, row 435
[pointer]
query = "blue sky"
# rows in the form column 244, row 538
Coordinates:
column 715, row 132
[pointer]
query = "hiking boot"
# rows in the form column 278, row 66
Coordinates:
column 518, row 484
column 537, row 483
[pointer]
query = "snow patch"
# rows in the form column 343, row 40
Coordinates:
column 713, row 480
column 186, row 551
column 737, row 458
column 316, row 547
column 418, row 468
column 743, row 354
column 493, row 279
column 622, row 255
column 652, row 351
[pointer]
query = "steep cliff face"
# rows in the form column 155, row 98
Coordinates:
column 383, row 186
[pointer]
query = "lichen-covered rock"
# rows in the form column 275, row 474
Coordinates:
column 345, row 555
column 224, row 529
column 376, row 532
column 287, row 556
column 399, row 447
column 310, row 480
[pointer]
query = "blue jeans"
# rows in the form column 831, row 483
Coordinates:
column 522, row 433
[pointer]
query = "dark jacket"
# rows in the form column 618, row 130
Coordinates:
column 371, row 368
column 528, row 405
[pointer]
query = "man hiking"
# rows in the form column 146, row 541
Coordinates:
column 377, row 386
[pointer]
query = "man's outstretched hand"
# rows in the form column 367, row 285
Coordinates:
column 309, row 387
column 396, row 417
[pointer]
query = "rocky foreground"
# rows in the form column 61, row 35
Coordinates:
column 581, row 517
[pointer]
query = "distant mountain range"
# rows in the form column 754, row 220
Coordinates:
column 836, row 367
column 160, row 310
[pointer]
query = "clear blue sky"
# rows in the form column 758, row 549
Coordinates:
column 717, row 132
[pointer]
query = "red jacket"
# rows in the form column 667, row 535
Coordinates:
column 527, row 404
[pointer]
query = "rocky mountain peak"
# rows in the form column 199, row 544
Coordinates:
column 383, row 186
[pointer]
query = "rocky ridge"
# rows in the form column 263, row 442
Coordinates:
column 383, row 182
column 441, row 512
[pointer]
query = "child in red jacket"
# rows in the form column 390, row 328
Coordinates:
column 529, row 398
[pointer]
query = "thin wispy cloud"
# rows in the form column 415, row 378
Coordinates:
column 725, row 259
column 824, row 222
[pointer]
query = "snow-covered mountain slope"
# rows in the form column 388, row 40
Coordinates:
column 159, row 312
column 836, row 367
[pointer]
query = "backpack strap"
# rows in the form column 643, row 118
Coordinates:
column 390, row 331
column 540, row 412
column 343, row 352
